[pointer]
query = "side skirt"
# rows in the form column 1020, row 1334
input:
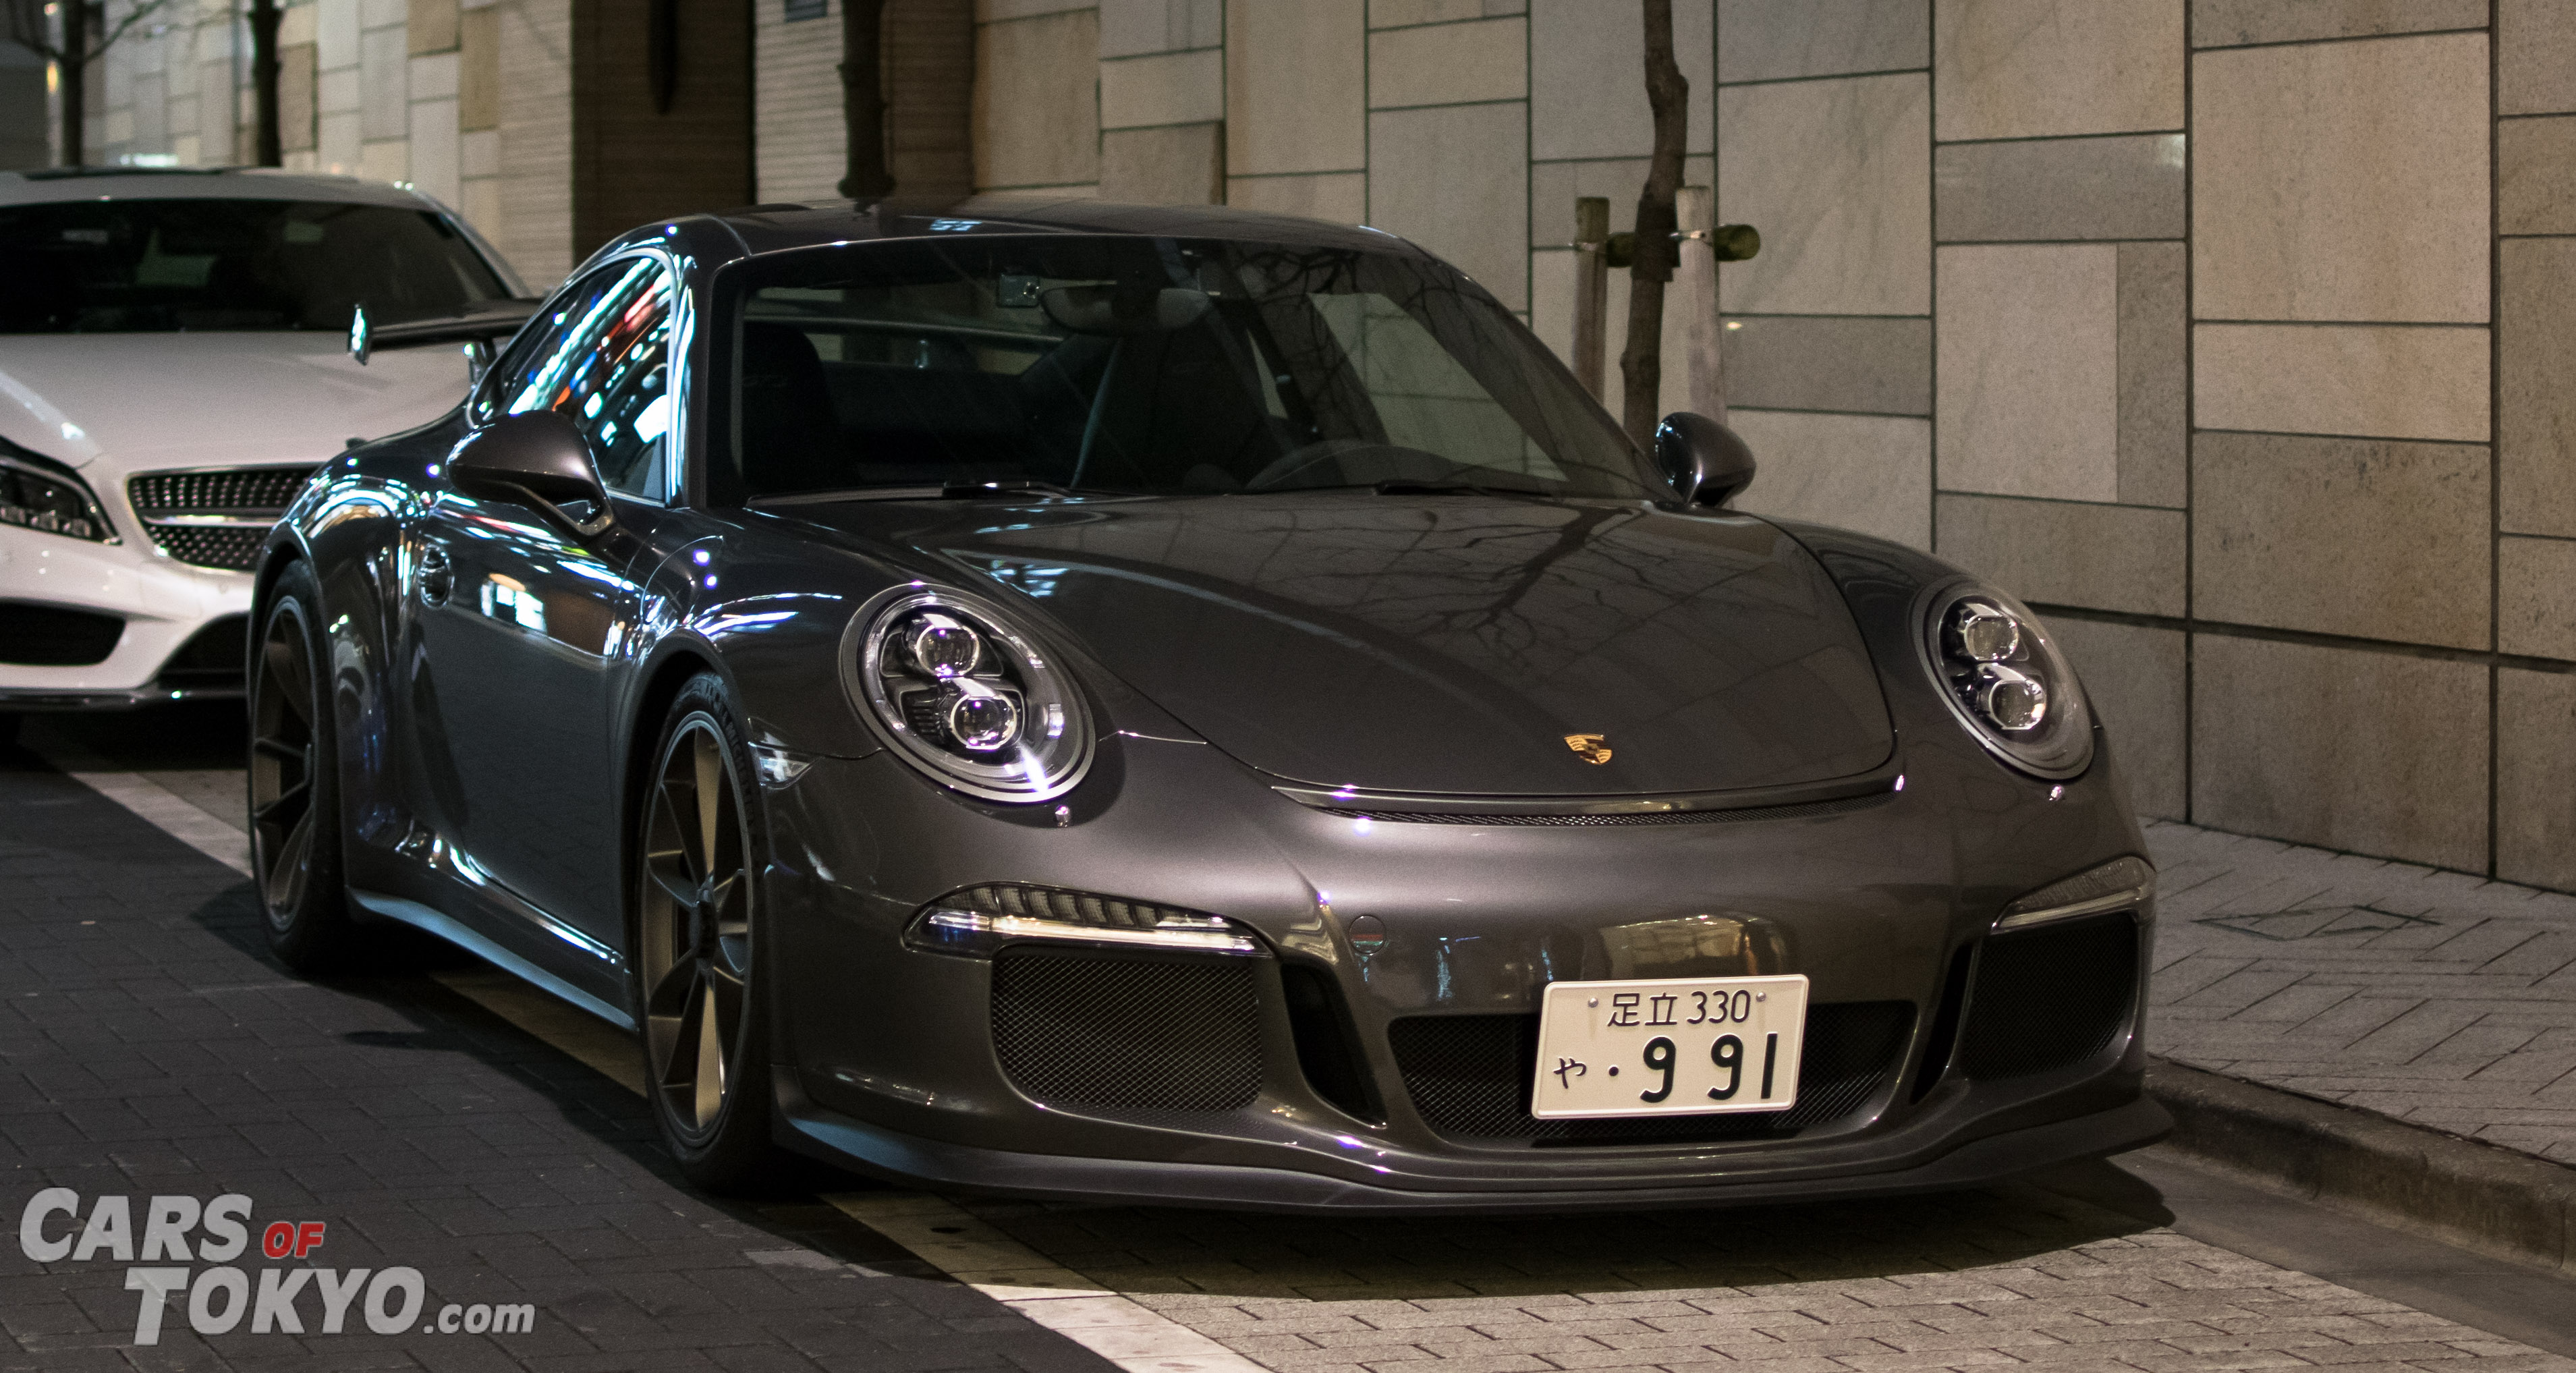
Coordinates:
column 455, row 932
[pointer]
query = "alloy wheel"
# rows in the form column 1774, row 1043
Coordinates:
column 282, row 754
column 695, row 946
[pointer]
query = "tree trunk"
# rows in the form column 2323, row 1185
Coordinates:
column 1668, row 96
column 863, row 107
column 75, row 90
column 269, row 140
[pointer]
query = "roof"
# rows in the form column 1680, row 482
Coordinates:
column 195, row 183
column 774, row 228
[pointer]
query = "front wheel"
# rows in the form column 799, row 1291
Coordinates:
column 295, row 783
column 698, row 979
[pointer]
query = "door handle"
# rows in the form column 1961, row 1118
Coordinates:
column 437, row 577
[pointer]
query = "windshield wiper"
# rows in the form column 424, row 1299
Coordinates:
column 964, row 491
column 1399, row 486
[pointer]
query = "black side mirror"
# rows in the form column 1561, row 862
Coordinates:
column 536, row 456
column 1706, row 462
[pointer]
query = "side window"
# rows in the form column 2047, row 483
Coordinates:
column 606, row 363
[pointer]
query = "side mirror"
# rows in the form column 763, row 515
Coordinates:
column 1706, row 462
column 536, row 456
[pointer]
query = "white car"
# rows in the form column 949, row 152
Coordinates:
column 175, row 361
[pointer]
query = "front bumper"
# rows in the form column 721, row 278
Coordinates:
column 892, row 1059
column 166, row 605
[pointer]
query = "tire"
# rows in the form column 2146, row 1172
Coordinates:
column 700, row 992
column 295, row 783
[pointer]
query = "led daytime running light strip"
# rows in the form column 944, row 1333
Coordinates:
column 2132, row 883
column 982, row 930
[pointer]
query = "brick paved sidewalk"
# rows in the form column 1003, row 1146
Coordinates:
column 2434, row 997
column 2007, row 1277
column 147, row 1048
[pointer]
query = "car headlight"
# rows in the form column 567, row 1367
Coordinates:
column 37, row 493
column 946, row 680
column 2001, row 673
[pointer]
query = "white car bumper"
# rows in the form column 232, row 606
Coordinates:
column 163, row 602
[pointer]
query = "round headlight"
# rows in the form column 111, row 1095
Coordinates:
column 943, row 648
column 1982, row 634
column 2001, row 673
column 979, row 717
column 958, row 691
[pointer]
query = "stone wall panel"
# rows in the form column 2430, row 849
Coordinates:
column 2371, row 539
column 2123, row 186
column 2100, row 557
column 2379, row 753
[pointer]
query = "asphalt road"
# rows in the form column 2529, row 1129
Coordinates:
column 441, row 1121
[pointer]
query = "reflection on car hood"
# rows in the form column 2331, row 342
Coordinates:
column 201, row 400
column 1449, row 644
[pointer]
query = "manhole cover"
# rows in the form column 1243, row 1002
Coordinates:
column 2316, row 922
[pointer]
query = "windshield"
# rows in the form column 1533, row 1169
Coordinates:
column 1156, row 366
column 163, row 266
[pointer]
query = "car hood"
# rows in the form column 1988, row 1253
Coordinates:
column 1448, row 644
column 196, row 400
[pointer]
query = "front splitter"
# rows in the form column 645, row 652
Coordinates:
column 836, row 1138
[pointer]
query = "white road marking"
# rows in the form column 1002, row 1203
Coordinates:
column 979, row 1255
column 172, row 814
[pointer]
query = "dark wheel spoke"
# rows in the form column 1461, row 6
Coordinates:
column 680, row 803
column 670, row 997
column 284, row 751
column 285, row 806
column 670, row 875
column 284, row 663
column 708, row 1098
column 683, row 1028
column 711, row 803
column 284, row 886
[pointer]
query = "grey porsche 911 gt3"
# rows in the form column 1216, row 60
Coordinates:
column 1189, row 706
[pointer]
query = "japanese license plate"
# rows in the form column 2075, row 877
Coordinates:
column 1681, row 1047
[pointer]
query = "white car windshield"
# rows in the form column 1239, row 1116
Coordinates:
column 1161, row 366
column 164, row 266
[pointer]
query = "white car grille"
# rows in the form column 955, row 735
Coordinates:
column 215, row 517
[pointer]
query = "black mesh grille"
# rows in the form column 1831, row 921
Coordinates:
column 1663, row 817
column 1470, row 1076
column 49, row 636
column 227, row 546
column 2051, row 998
column 241, row 491
column 1128, row 1033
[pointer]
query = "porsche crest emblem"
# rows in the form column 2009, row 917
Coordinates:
column 1591, row 748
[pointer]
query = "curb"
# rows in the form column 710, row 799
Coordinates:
column 2494, row 1201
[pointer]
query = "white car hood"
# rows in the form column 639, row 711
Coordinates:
column 140, row 401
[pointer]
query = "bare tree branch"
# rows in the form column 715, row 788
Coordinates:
column 1641, row 362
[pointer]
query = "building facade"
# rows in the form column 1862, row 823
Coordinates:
column 2229, row 332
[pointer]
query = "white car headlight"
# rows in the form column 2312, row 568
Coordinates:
column 36, row 494
column 960, row 693
column 2001, row 673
